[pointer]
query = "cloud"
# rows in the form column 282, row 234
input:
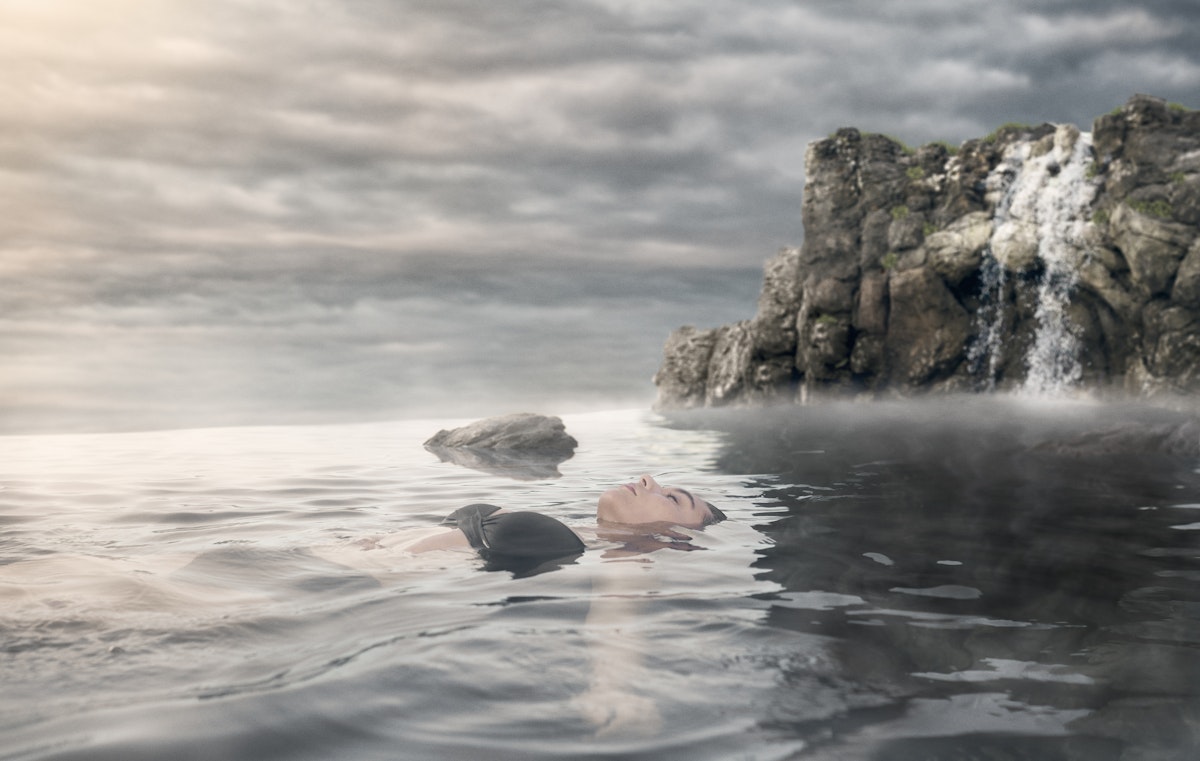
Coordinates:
column 222, row 165
column 398, row 123
column 404, row 338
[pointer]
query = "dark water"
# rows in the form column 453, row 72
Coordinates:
column 951, row 580
column 1000, row 579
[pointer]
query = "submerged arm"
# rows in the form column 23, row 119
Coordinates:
column 612, row 702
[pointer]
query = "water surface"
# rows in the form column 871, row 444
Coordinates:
column 925, row 581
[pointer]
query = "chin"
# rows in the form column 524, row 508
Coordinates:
column 607, row 507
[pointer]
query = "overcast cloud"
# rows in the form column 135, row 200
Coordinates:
column 274, row 210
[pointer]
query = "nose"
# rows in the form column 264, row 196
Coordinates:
column 649, row 483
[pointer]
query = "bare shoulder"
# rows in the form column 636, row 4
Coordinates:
column 442, row 539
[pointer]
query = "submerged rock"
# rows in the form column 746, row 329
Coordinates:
column 1042, row 258
column 523, row 445
column 1176, row 439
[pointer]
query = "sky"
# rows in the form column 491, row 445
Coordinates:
column 237, row 212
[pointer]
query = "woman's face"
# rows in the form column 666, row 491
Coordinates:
column 644, row 501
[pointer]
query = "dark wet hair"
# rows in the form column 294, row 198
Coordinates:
column 717, row 515
column 514, row 539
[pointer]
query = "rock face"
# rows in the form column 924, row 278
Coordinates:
column 524, row 445
column 1042, row 258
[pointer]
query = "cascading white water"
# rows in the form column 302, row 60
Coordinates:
column 1039, row 221
column 1062, row 211
column 985, row 352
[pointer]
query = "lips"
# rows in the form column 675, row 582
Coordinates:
column 632, row 490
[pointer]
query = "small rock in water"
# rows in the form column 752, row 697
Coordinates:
column 523, row 445
column 524, row 431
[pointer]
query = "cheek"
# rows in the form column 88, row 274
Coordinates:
column 665, row 509
column 609, row 503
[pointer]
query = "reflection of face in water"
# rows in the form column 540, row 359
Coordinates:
column 645, row 501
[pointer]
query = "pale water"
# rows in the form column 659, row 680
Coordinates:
column 948, row 580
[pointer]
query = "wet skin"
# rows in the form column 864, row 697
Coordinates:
column 641, row 502
column 646, row 501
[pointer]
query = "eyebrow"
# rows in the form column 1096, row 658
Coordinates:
column 690, row 496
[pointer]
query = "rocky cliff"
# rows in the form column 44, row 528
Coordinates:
column 1043, row 258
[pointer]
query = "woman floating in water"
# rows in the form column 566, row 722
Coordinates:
column 643, row 516
column 499, row 535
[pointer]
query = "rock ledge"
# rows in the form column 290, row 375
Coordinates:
column 1039, row 258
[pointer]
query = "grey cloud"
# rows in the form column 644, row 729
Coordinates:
column 349, row 184
column 416, row 339
column 467, row 111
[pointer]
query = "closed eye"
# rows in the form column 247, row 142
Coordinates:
column 686, row 493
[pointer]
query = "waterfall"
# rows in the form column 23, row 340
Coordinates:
column 1062, row 213
column 985, row 352
column 1040, row 219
